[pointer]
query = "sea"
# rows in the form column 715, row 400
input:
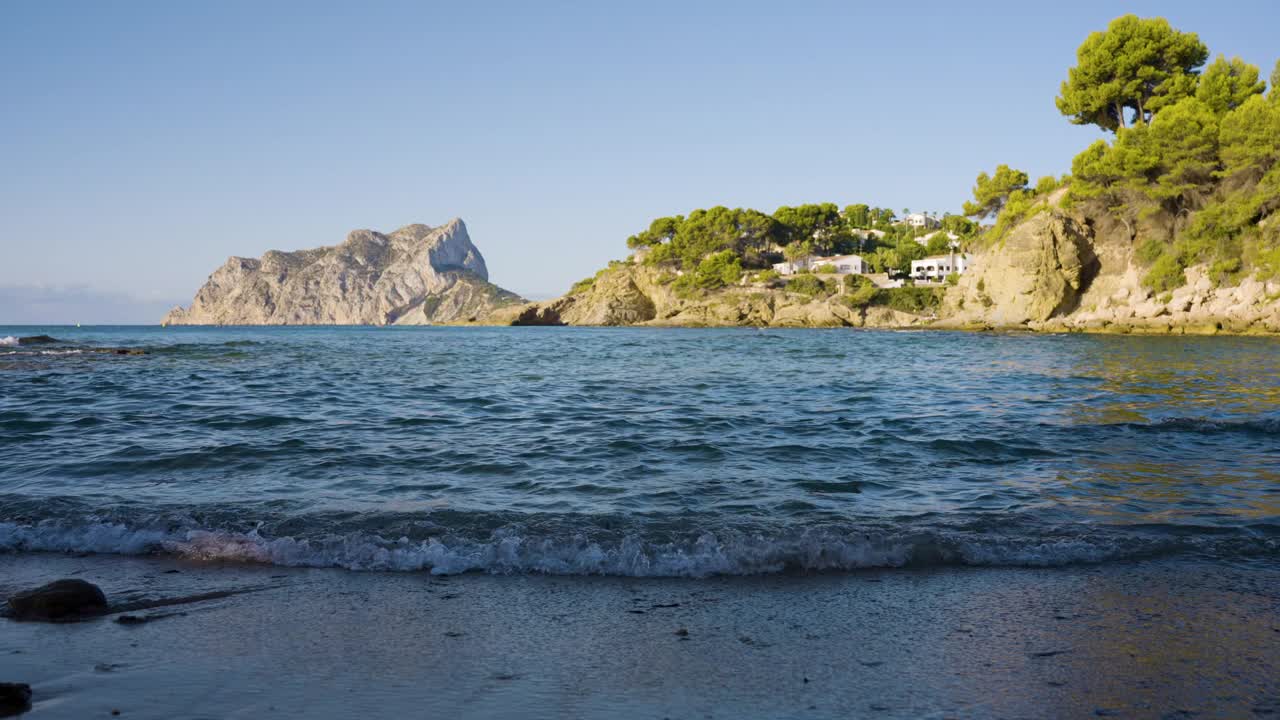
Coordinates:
column 638, row 451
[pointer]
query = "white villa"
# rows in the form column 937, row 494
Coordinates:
column 844, row 265
column 938, row 267
column 920, row 220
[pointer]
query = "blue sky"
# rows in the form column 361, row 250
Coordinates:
column 143, row 143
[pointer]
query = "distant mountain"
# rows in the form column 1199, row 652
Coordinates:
column 417, row 275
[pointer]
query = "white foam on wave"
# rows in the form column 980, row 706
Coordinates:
column 8, row 341
column 509, row 552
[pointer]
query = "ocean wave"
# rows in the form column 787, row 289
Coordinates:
column 512, row 550
column 1266, row 425
column 8, row 341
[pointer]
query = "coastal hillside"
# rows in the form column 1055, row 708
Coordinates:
column 416, row 275
column 1169, row 225
column 636, row 294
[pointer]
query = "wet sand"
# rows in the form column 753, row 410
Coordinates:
column 1153, row 639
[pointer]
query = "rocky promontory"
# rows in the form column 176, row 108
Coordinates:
column 1072, row 271
column 635, row 294
column 1058, row 270
column 417, row 275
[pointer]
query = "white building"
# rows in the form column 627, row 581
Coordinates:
column 938, row 267
column 920, row 220
column 844, row 265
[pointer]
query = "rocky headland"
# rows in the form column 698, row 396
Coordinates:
column 634, row 294
column 1062, row 269
column 417, row 275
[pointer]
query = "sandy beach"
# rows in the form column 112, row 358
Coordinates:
column 1153, row 639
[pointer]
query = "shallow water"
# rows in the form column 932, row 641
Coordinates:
column 639, row 451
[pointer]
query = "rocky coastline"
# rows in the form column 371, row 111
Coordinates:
column 1057, row 271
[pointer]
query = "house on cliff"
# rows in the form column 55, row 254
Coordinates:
column 844, row 265
column 937, row 267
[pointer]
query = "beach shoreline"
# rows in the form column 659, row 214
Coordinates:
column 1166, row 638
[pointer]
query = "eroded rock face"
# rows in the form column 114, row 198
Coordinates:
column 615, row 299
column 1040, row 271
column 415, row 275
column 637, row 295
column 59, row 600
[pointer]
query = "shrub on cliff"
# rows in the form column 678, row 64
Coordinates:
column 712, row 273
column 807, row 284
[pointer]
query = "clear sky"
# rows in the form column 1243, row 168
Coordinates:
column 142, row 143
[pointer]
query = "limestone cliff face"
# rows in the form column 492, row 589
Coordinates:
column 1058, row 272
column 1038, row 272
column 415, row 275
column 638, row 295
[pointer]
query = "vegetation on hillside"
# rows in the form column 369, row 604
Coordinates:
column 687, row 243
column 1192, row 168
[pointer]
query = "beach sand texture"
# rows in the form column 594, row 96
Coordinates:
column 1156, row 639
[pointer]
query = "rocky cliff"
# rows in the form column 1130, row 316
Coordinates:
column 414, row 276
column 1065, row 271
column 1059, row 270
column 632, row 294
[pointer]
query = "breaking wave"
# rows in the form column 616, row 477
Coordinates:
column 513, row 550
column 8, row 341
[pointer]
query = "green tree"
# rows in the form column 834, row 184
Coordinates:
column 991, row 192
column 938, row 244
column 716, row 271
column 798, row 251
column 882, row 218
column 960, row 225
column 1250, row 138
column 806, row 222
column 858, row 216
column 1136, row 64
column 660, row 231
column 1226, row 85
column 1275, row 83
column 891, row 262
column 1184, row 139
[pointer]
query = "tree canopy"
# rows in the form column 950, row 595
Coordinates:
column 806, row 222
column 991, row 192
column 1226, row 85
column 1137, row 64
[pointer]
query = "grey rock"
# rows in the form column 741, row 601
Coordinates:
column 417, row 275
column 59, row 600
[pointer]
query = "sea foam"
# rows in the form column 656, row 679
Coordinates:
column 508, row 551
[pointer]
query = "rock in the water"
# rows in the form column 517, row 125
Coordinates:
column 37, row 340
column 59, row 600
column 15, row 698
column 417, row 275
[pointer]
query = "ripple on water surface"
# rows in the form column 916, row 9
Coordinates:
column 638, row 451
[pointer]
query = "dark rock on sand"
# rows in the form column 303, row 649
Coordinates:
column 15, row 698
column 59, row 600
column 37, row 340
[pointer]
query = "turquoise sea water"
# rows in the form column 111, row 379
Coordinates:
column 638, row 451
